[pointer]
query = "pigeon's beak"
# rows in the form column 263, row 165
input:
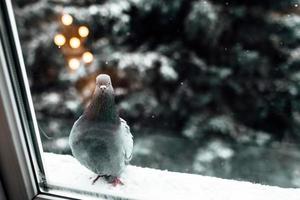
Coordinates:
column 103, row 87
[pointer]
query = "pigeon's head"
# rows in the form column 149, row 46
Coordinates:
column 102, row 106
column 103, row 84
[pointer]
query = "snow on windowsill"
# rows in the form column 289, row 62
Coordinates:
column 146, row 183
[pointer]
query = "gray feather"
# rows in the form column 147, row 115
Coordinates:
column 128, row 140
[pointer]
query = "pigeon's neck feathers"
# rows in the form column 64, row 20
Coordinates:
column 102, row 108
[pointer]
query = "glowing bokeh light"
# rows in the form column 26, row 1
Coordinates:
column 87, row 57
column 83, row 31
column 74, row 63
column 74, row 42
column 67, row 19
column 59, row 39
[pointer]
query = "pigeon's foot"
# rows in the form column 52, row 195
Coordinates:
column 116, row 181
column 94, row 181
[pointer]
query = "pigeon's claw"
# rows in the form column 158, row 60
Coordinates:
column 116, row 182
column 94, row 181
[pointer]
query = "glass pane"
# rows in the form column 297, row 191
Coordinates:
column 207, row 87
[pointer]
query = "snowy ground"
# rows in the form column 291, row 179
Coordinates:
column 63, row 171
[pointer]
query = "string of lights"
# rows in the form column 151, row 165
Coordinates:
column 71, row 40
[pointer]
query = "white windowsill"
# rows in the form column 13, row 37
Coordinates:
column 146, row 183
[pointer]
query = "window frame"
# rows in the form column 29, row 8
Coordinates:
column 20, row 158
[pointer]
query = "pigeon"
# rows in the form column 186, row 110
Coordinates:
column 100, row 140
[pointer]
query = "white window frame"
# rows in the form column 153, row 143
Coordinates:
column 20, row 160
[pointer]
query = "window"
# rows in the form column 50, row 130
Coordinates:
column 208, row 87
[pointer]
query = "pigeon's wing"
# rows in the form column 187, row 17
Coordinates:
column 127, row 141
column 75, row 129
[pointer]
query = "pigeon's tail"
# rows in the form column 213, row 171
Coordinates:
column 45, row 134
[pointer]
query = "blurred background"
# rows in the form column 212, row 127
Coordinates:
column 208, row 87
